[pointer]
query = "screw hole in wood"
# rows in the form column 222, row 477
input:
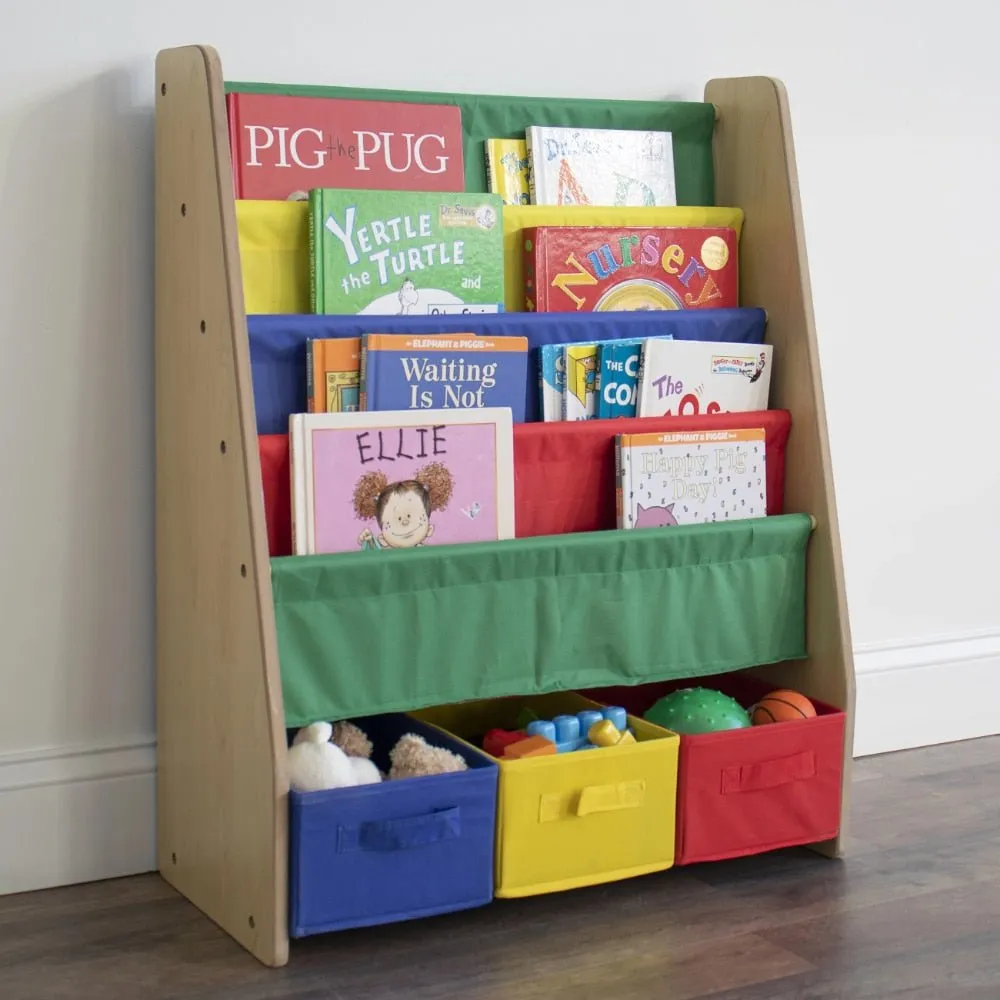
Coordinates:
column 184, row 208
column 173, row 859
column 202, row 326
column 222, row 447
column 251, row 923
column 163, row 88
column 243, row 569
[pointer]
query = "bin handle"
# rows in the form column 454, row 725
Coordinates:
column 610, row 798
column 769, row 773
column 402, row 833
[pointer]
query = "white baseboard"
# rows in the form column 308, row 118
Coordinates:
column 81, row 814
column 76, row 814
column 937, row 690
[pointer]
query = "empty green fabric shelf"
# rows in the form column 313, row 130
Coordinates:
column 490, row 116
column 366, row 632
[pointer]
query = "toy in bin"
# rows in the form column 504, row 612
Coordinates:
column 586, row 730
column 782, row 706
column 337, row 755
column 691, row 711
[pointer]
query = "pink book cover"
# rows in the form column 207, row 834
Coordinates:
column 399, row 479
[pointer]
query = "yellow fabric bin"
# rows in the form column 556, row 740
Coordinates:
column 578, row 818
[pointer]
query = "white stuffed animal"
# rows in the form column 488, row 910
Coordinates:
column 315, row 764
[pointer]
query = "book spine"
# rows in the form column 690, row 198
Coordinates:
column 532, row 194
column 640, row 379
column 293, row 485
column 363, row 374
column 235, row 158
column 315, row 252
column 491, row 176
column 565, row 385
column 619, row 483
column 310, row 375
column 529, row 268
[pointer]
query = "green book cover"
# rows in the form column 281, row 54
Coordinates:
column 405, row 252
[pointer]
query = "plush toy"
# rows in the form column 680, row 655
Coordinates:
column 324, row 756
column 413, row 756
column 315, row 764
column 351, row 740
column 358, row 748
column 365, row 772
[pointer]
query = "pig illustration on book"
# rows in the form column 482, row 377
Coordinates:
column 654, row 517
column 402, row 509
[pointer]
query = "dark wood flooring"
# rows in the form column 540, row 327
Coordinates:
column 913, row 912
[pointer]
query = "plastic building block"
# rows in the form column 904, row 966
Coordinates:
column 525, row 717
column 496, row 739
column 533, row 746
column 606, row 734
column 570, row 732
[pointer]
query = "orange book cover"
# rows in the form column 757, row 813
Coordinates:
column 333, row 374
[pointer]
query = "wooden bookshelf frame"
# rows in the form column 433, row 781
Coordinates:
column 221, row 785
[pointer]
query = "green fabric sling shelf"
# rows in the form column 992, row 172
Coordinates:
column 360, row 633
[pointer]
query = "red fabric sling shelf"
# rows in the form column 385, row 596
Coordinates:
column 564, row 473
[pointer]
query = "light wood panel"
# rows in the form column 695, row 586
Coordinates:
column 755, row 169
column 221, row 788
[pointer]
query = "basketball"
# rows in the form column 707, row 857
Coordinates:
column 782, row 706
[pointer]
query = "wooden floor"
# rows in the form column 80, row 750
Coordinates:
column 914, row 913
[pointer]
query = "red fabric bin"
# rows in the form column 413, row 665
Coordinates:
column 745, row 791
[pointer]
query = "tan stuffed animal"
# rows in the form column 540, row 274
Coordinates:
column 351, row 740
column 413, row 756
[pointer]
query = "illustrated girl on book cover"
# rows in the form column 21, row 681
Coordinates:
column 393, row 480
column 402, row 510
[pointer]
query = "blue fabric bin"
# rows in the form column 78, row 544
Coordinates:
column 406, row 848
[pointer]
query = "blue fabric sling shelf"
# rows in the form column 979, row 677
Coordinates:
column 245, row 643
column 278, row 343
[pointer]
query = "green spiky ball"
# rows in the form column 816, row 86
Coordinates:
column 698, row 710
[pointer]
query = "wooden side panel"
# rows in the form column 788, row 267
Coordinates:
column 221, row 789
column 755, row 169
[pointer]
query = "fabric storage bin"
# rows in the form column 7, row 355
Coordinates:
column 746, row 791
column 576, row 818
column 405, row 848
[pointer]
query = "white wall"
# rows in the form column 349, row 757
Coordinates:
column 894, row 112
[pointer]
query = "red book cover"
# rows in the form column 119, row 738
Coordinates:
column 282, row 145
column 591, row 269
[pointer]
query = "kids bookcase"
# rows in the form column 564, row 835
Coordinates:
column 222, row 790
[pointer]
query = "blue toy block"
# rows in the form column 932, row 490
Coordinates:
column 569, row 732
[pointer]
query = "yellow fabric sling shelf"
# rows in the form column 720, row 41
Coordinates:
column 223, row 796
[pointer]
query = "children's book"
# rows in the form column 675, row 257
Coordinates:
column 333, row 369
column 405, row 253
column 618, row 374
column 400, row 479
column 507, row 170
column 601, row 167
column 690, row 477
column 580, row 362
column 283, row 145
column 551, row 381
column 598, row 269
column 683, row 377
column 454, row 371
